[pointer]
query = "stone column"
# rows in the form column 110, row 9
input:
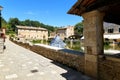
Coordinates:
column 93, row 41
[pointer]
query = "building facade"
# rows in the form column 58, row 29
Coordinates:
column 111, row 32
column 52, row 35
column 110, row 28
column 63, row 32
column 32, row 33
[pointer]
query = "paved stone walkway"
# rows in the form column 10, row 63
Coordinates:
column 17, row 63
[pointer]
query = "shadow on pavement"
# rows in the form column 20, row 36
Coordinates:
column 71, row 74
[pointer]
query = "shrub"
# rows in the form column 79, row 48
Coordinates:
column 106, row 45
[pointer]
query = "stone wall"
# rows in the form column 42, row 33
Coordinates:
column 109, row 68
column 72, row 60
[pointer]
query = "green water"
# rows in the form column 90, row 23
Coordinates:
column 78, row 46
column 74, row 45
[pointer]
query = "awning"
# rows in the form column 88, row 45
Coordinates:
column 110, row 36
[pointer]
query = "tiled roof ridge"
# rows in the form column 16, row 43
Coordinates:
column 30, row 27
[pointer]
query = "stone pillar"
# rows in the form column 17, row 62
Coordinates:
column 93, row 41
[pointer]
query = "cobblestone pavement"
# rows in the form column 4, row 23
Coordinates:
column 17, row 63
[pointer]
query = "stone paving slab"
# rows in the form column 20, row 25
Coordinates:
column 17, row 63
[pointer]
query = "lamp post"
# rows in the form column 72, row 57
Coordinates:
column 0, row 17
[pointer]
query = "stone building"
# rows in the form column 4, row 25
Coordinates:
column 63, row 32
column 52, row 35
column 111, row 32
column 94, row 13
column 110, row 28
column 32, row 33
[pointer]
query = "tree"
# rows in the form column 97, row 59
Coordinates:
column 27, row 22
column 13, row 22
column 22, row 23
column 4, row 23
column 35, row 23
column 79, row 28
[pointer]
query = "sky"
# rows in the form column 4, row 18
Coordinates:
column 50, row 12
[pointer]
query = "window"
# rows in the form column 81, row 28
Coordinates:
column 110, row 30
column 119, row 30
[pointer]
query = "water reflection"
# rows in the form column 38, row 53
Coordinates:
column 74, row 45
column 78, row 46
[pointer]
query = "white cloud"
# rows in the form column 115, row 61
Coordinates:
column 29, row 13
